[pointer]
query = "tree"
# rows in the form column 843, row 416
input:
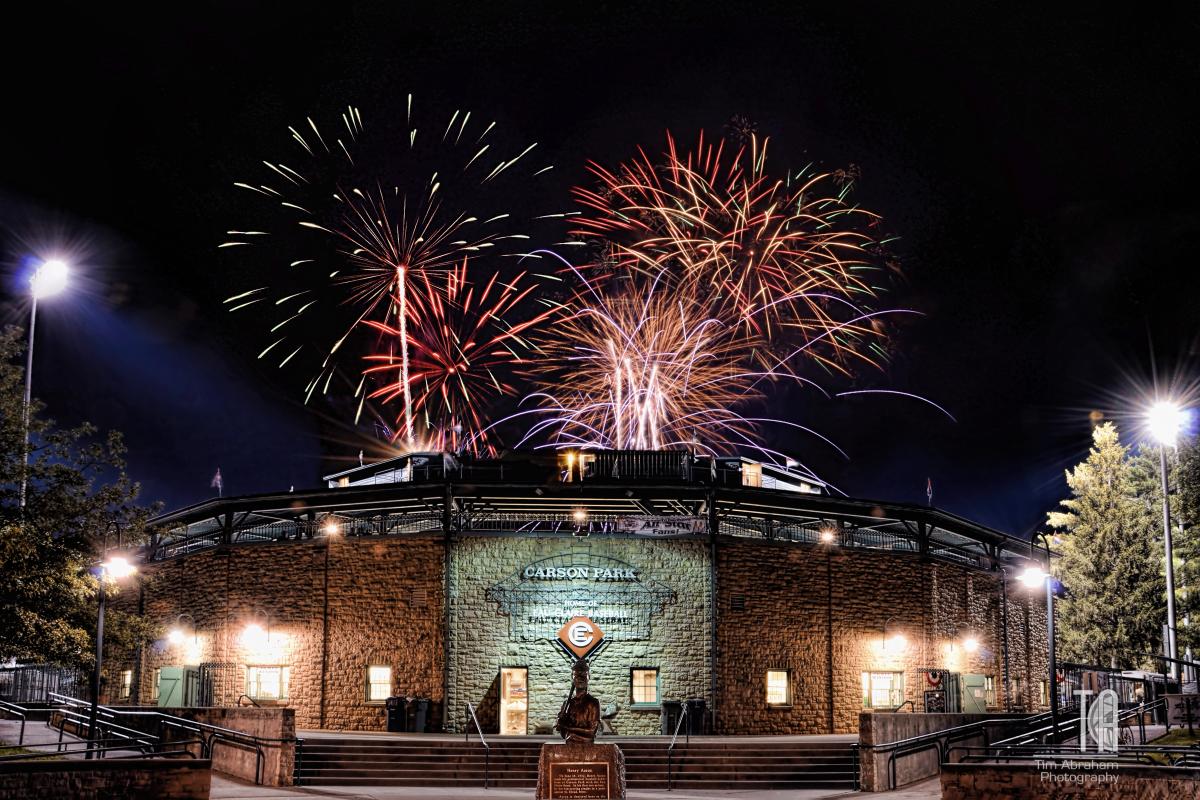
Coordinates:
column 79, row 500
column 1113, row 610
column 1186, row 541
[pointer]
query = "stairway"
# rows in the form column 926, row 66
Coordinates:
column 704, row 763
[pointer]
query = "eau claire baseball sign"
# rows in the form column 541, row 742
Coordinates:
column 542, row 597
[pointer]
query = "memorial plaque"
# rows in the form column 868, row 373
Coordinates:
column 579, row 780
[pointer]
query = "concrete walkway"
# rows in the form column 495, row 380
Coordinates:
column 226, row 789
column 41, row 738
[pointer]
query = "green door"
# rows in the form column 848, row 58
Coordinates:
column 974, row 694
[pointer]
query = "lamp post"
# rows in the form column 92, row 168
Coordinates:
column 1165, row 421
column 1031, row 577
column 116, row 567
column 48, row 280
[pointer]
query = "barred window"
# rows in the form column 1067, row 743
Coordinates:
column 379, row 684
column 779, row 688
column 267, row 683
column 126, row 684
column 883, row 689
column 644, row 686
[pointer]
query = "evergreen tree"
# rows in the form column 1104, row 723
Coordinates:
column 78, row 500
column 1115, row 600
column 1186, row 540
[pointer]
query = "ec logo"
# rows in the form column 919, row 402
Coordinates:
column 580, row 635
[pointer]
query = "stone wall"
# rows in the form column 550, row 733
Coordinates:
column 276, row 726
column 129, row 779
column 1021, row 781
column 806, row 608
column 877, row 730
column 332, row 607
column 384, row 608
column 484, row 639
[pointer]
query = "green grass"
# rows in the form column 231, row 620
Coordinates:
column 1179, row 738
column 1176, row 738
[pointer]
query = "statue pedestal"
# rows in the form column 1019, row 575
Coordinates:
column 573, row 771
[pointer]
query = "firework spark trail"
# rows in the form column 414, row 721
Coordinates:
column 466, row 345
column 379, row 236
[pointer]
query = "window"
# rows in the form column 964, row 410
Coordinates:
column 644, row 686
column 267, row 683
column 989, row 685
column 883, row 689
column 379, row 684
column 154, row 685
column 751, row 475
column 1043, row 694
column 126, row 684
column 779, row 690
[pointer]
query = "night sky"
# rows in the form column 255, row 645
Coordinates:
column 1040, row 171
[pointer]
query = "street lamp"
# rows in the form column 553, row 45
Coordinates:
column 115, row 568
column 1166, row 420
column 48, row 280
column 176, row 635
column 1033, row 576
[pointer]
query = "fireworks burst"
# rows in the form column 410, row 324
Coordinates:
column 357, row 227
column 710, row 278
column 637, row 364
column 466, row 345
column 786, row 259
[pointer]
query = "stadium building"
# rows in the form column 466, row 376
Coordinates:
column 741, row 588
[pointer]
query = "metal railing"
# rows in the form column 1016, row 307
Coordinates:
column 487, row 749
column 940, row 740
column 687, row 736
column 56, row 754
column 208, row 736
column 20, row 712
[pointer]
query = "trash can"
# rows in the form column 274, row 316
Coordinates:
column 696, row 708
column 397, row 714
column 671, row 709
column 420, row 721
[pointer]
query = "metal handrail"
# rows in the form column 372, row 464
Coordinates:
column 215, row 733
column 16, row 711
column 1070, row 722
column 683, row 712
column 1127, row 754
column 487, row 749
column 938, row 740
column 32, row 755
column 139, row 739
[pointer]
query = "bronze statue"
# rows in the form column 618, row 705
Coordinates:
column 580, row 714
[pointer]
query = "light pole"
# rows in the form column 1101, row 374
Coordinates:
column 116, row 568
column 1032, row 577
column 1166, row 420
column 49, row 279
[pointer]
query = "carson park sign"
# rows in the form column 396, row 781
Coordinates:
column 535, row 572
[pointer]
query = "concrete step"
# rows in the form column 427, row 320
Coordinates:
column 712, row 764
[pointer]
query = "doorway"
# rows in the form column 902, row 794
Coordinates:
column 514, row 701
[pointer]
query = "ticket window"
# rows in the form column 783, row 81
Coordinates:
column 514, row 701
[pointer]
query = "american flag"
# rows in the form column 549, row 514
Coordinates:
column 217, row 483
column 929, row 490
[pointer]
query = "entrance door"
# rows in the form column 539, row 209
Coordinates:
column 514, row 701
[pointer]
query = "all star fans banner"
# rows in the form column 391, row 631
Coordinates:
column 662, row 526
